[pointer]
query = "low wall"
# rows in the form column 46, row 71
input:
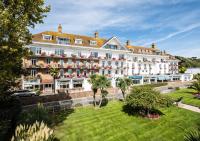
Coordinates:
column 60, row 97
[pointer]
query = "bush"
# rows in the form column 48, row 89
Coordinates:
column 38, row 131
column 37, row 114
column 177, row 88
column 144, row 99
column 166, row 101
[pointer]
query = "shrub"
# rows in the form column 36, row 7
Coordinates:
column 177, row 88
column 38, row 131
column 36, row 114
column 144, row 99
column 166, row 101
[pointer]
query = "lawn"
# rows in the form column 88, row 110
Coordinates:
column 112, row 124
column 187, row 95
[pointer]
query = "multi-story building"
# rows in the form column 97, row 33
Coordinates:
column 77, row 57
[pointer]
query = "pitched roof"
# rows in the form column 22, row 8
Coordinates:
column 140, row 49
column 85, row 39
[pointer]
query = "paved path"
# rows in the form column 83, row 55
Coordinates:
column 189, row 107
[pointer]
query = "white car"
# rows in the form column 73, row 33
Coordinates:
column 24, row 93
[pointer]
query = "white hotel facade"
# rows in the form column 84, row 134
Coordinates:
column 77, row 57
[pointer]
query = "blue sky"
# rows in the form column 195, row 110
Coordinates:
column 174, row 25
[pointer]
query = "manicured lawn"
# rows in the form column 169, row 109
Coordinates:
column 112, row 124
column 188, row 97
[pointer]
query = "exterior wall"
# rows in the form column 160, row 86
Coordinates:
column 79, row 59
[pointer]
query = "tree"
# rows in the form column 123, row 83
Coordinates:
column 103, row 83
column 144, row 99
column 93, row 80
column 54, row 72
column 193, row 135
column 16, row 18
column 124, row 84
column 196, row 86
column 182, row 69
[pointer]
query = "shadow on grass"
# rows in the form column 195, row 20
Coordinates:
column 60, row 116
column 137, row 111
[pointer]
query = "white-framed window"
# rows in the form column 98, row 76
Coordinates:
column 93, row 43
column 78, row 41
column 59, row 51
column 48, row 60
column 33, row 72
column 108, row 55
column 47, row 37
column 109, row 72
column 33, row 61
column 94, row 54
column 63, row 41
column 36, row 51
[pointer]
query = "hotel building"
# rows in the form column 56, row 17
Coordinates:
column 77, row 57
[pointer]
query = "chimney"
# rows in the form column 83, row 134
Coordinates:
column 96, row 34
column 128, row 42
column 153, row 46
column 59, row 28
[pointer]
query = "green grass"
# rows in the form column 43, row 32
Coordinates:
column 188, row 97
column 112, row 124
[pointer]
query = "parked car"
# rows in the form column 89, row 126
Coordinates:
column 24, row 93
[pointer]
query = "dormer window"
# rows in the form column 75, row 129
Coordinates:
column 47, row 37
column 78, row 41
column 109, row 46
column 63, row 41
column 93, row 43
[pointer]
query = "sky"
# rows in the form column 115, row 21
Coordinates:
column 173, row 25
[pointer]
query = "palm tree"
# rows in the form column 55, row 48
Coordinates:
column 94, row 82
column 193, row 135
column 103, row 83
column 123, row 84
column 54, row 73
column 196, row 86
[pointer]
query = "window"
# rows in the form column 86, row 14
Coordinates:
column 69, row 71
column 145, row 66
column 109, row 72
column 47, row 37
column 116, row 63
column 109, row 46
column 122, row 64
column 33, row 61
column 48, row 60
column 92, row 71
column 109, row 63
column 63, row 41
column 59, row 52
column 61, row 73
column 61, row 62
column 79, row 54
column 122, row 72
column 77, row 83
column 103, row 72
column 78, row 41
column 94, row 54
column 103, row 63
column 78, row 72
column 121, row 56
column 93, row 43
column 33, row 72
column 135, row 59
column 69, row 61
column 116, row 71
column 108, row 55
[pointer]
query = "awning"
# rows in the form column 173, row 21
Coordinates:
column 135, row 77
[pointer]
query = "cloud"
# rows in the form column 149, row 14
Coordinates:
column 187, row 29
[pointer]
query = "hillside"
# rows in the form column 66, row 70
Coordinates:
column 189, row 62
